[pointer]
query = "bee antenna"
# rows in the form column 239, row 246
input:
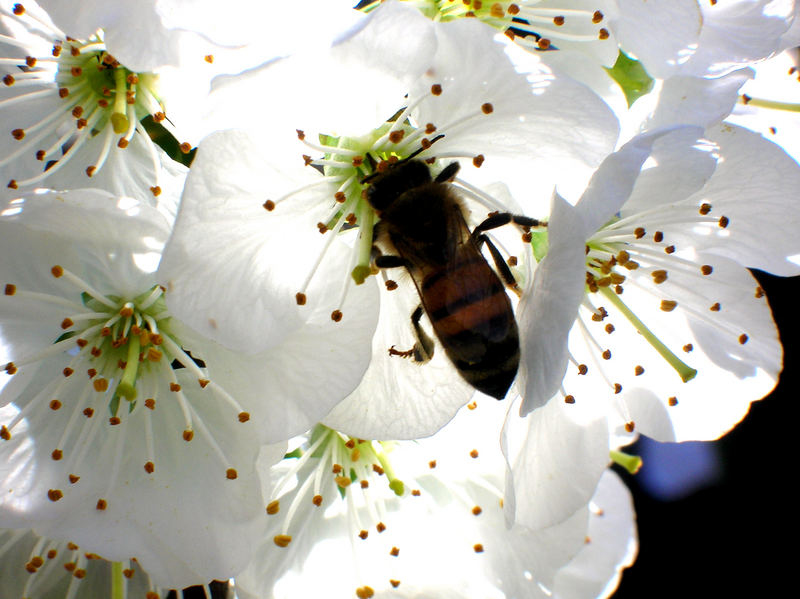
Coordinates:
column 423, row 148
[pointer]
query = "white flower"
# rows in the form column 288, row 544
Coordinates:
column 458, row 84
column 672, row 336
column 413, row 519
column 35, row 568
column 73, row 113
column 129, row 459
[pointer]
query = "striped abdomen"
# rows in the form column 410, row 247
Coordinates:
column 473, row 319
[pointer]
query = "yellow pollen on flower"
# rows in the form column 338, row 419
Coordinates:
column 273, row 507
column 282, row 540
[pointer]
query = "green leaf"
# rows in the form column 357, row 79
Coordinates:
column 631, row 77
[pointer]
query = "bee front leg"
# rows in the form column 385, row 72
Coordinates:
column 502, row 268
column 423, row 348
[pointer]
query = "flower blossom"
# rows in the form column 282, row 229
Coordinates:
column 668, row 333
column 124, row 429
column 426, row 517
column 301, row 169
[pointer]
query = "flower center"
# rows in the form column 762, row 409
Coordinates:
column 337, row 466
column 80, row 92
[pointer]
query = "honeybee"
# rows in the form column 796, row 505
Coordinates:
column 422, row 220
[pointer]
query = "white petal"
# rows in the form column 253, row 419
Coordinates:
column 611, row 545
column 230, row 263
column 697, row 101
column 546, row 313
column 755, row 186
column 556, row 455
column 662, row 35
column 398, row 398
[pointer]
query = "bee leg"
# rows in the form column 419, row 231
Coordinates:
column 502, row 268
column 503, row 218
column 448, row 173
column 423, row 348
column 386, row 261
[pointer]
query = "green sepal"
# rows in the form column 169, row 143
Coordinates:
column 539, row 244
column 631, row 76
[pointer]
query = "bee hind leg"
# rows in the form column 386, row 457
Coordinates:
column 423, row 348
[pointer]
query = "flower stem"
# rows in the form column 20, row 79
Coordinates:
column 117, row 581
column 631, row 463
column 686, row 372
column 747, row 100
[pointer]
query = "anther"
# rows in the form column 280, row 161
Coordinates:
column 102, row 504
column 473, row 453
column 54, row 494
column 706, row 269
column 543, row 43
column 394, row 552
column 672, row 401
column 8, row 80
column 57, row 271
column 88, row 412
column 300, row 298
column 476, row 511
column 155, row 190
column 638, row 371
column 363, row 534
column 487, row 108
column 336, row 315
column 57, row 454
column 668, row 305
column 513, row 9
column 688, row 347
column 658, row 236
column 185, row 147
column 282, row 540
column 317, row 500
column 10, row 289
column 723, row 221
column 231, row 474
column 570, row 399
column 391, row 285
column 583, row 369
column 716, row 307
column 364, row 592
column 174, row 387
column 603, row 34
column 149, row 467
column 5, row 434
column 432, row 464
column 188, row 435
column 743, row 339
column 609, row 328
column 436, row 89
column 243, row 417
column 639, row 232
column 150, row 403
column 558, row 21
column 396, row 136
column 380, row 527
column 705, row 209
column 597, row 17
column 114, row 420
column 670, row 249
column 478, row 547
column 659, row 276
column 478, row 160
column 629, row 426
column 430, row 128
column 55, row 405
column 342, row 481
column 606, row 354
column 18, row 134
column 273, row 507
column 617, row 388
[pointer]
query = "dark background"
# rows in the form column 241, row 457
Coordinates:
column 737, row 537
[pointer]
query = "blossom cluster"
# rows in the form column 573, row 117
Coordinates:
column 264, row 284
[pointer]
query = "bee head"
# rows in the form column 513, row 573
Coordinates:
column 387, row 186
